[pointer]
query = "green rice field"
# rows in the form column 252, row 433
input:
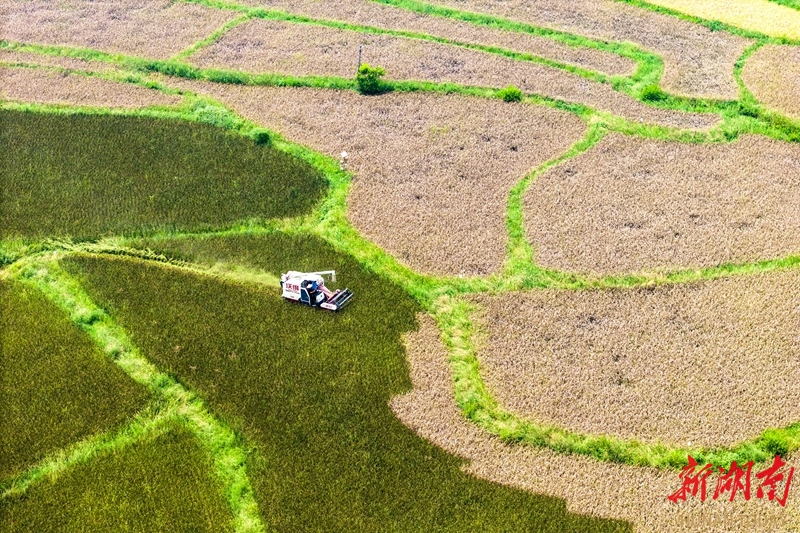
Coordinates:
column 56, row 386
column 85, row 176
column 164, row 484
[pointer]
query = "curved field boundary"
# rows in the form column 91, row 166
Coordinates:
column 759, row 16
column 329, row 222
column 459, row 333
column 146, row 425
column 713, row 25
column 174, row 399
column 646, row 62
column 733, row 124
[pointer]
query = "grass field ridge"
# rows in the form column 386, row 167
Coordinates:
column 218, row 440
column 148, row 424
column 274, row 14
column 329, row 222
column 461, row 335
column 737, row 119
column 211, row 39
column 713, row 25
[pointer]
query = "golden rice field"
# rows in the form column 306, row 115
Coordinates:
column 761, row 16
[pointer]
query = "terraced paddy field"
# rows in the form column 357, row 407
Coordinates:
column 698, row 61
column 570, row 229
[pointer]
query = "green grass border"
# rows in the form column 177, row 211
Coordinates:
column 435, row 294
column 222, row 444
column 455, row 319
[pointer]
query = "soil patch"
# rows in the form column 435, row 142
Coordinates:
column 697, row 61
column 773, row 75
column 710, row 363
column 149, row 28
column 631, row 204
column 300, row 49
column 638, row 495
column 431, row 172
column 45, row 86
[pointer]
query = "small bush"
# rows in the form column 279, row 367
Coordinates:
column 261, row 137
column 510, row 94
column 369, row 80
column 653, row 93
column 775, row 444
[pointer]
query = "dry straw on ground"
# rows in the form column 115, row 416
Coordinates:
column 45, row 86
column 149, row 28
column 370, row 13
column 638, row 495
column 773, row 75
column 630, row 204
column 710, row 363
column 697, row 61
column 300, row 49
column 432, row 172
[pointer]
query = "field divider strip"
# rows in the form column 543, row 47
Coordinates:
column 727, row 130
column 212, row 38
column 519, row 259
column 461, row 335
column 713, row 25
column 150, row 423
column 274, row 14
column 219, row 441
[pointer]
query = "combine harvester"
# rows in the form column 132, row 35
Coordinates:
column 309, row 288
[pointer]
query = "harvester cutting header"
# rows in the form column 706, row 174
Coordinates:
column 309, row 288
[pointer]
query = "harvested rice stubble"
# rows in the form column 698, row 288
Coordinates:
column 370, row 13
column 698, row 62
column 431, row 172
column 150, row 28
column 45, row 86
column 772, row 73
column 708, row 364
column 630, row 204
column 300, row 49
column 635, row 494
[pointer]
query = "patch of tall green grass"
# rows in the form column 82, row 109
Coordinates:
column 165, row 484
column 309, row 389
column 86, row 176
column 55, row 386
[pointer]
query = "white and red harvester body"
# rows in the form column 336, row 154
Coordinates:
column 309, row 288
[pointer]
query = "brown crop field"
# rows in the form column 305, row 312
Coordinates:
column 635, row 494
column 697, row 61
column 630, row 204
column 432, row 172
column 773, row 75
column 150, row 28
column 45, row 86
column 300, row 49
column 370, row 13
column 711, row 363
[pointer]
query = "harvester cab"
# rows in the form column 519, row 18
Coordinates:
column 309, row 288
